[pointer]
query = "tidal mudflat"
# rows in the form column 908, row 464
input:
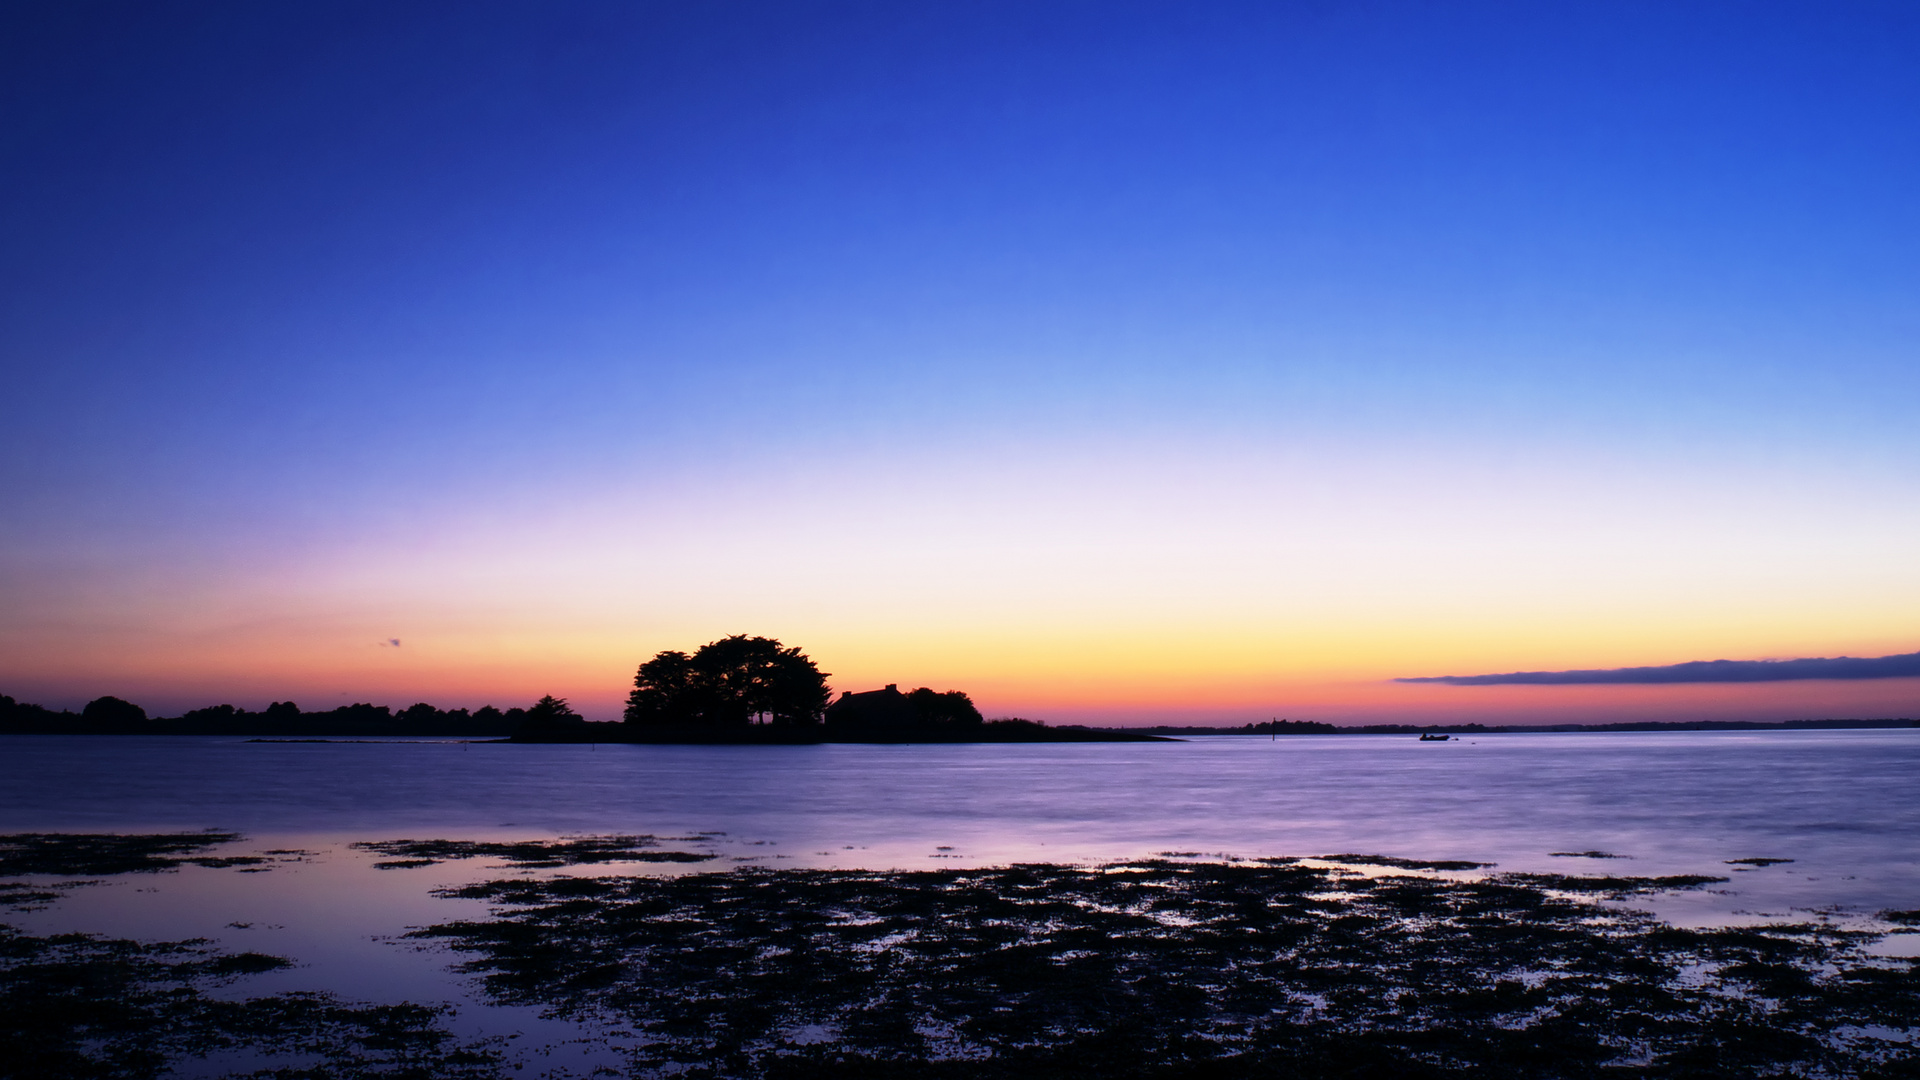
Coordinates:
column 1342, row 965
column 87, row 1005
column 1661, row 905
column 1274, row 967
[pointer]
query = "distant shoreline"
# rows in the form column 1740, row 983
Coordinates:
column 1062, row 734
column 362, row 721
column 1285, row 727
column 1075, row 733
column 787, row 736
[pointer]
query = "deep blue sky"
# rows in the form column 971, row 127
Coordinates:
column 279, row 278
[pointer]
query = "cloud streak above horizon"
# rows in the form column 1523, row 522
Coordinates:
column 1904, row 665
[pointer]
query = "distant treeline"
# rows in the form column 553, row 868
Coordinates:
column 112, row 716
column 1010, row 729
column 743, row 689
column 551, row 716
column 1714, row 725
column 1307, row 727
column 548, row 720
column 1265, row 727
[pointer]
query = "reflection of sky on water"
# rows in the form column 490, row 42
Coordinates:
column 339, row 919
column 1840, row 804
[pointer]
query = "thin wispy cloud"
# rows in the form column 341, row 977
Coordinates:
column 1905, row 665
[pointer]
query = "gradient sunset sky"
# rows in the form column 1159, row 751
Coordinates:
column 1128, row 363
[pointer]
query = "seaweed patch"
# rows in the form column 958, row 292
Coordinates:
column 75, row 1006
column 20, row 896
column 1179, row 969
column 1406, row 864
column 97, row 854
column 1614, row 887
column 567, row 851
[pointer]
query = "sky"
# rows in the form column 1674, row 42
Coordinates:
column 1115, row 363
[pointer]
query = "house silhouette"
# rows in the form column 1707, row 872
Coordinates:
column 883, row 708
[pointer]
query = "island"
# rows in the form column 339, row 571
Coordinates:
column 754, row 690
column 738, row 690
column 873, row 716
column 749, row 691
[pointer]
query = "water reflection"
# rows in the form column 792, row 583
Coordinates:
column 1797, row 822
column 1840, row 803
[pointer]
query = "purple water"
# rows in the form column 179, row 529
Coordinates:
column 1843, row 805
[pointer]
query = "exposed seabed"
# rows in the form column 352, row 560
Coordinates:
column 1177, row 965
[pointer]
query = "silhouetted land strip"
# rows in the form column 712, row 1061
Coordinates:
column 743, row 690
column 551, row 721
column 991, row 731
column 547, row 721
column 1309, row 727
column 112, row 716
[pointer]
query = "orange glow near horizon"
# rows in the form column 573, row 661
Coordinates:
column 1159, row 375
column 1251, row 593
column 1112, row 677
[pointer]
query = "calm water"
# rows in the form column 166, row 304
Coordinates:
column 1844, row 805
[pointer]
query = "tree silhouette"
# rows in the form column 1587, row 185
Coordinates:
column 551, row 712
column 663, row 691
column 111, row 711
column 951, row 709
column 730, row 683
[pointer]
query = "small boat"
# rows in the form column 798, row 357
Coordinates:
column 1424, row 737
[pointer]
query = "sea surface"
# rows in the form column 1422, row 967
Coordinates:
column 1843, row 806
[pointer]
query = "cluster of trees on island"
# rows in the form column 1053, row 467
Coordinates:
column 737, row 685
column 736, row 689
column 735, row 682
column 739, row 682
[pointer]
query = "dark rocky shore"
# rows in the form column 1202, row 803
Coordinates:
column 1341, row 966
column 1273, row 968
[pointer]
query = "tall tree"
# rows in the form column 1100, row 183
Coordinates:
column 663, row 691
column 730, row 683
column 548, row 712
